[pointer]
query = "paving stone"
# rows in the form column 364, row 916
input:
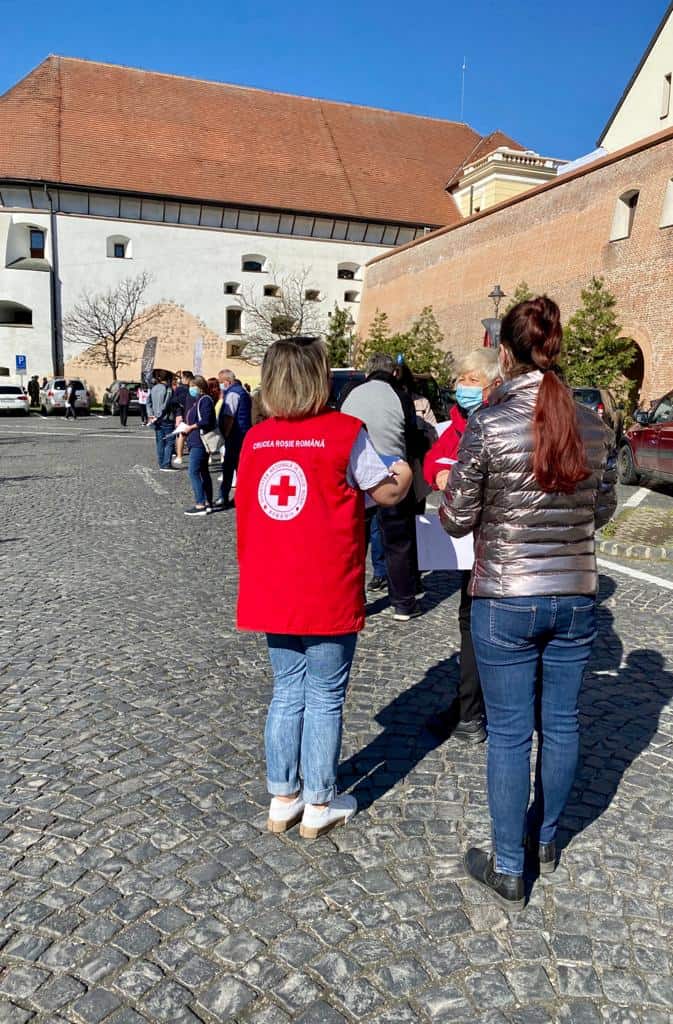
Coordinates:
column 622, row 987
column 321, row 1013
column 95, row 1005
column 101, row 965
column 238, row 948
column 226, row 997
column 444, row 1003
column 10, row 1013
column 530, row 983
column 21, row 981
column 58, row 992
column 489, row 988
column 578, row 981
column 401, row 978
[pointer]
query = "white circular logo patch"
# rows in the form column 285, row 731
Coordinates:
column 282, row 490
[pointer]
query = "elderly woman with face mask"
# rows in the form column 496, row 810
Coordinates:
column 478, row 374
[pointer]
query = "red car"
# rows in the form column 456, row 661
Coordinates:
column 647, row 447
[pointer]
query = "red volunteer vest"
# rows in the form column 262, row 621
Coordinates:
column 301, row 537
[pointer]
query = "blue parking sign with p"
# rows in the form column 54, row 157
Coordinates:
column 20, row 364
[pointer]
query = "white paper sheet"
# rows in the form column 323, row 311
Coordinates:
column 182, row 428
column 436, row 550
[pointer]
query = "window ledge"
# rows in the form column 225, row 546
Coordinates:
column 20, row 327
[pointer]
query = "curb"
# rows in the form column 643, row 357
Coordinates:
column 643, row 552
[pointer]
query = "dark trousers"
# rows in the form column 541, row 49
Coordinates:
column 398, row 529
column 123, row 414
column 232, row 453
column 470, row 698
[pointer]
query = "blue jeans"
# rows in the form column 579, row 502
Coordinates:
column 199, row 475
column 378, row 554
column 304, row 723
column 531, row 653
column 165, row 443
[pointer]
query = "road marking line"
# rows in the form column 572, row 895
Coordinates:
column 636, row 574
column 638, row 498
column 69, row 433
column 145, row 474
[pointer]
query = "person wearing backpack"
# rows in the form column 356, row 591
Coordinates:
column 234, row 421
column 161, row 416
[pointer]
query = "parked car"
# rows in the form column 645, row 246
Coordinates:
column 14, row 399
column 343, row 381
column 52, row 396
column 647, row 446
column 602, row 402
column 110, row 397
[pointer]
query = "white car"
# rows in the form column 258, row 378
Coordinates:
column 14, row 399
column 52, row 397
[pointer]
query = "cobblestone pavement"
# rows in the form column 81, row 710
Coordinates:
column 138, row 881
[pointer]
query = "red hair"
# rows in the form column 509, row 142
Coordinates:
column 532, row 331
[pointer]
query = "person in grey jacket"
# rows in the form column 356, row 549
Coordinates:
column 534, row 479
column 161, row 416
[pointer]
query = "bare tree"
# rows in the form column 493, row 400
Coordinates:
column 108, row 323
column 295, row 308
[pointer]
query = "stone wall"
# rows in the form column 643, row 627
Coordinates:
column 176, row 330
column 555, row 238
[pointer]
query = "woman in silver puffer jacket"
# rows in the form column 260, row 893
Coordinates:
column 535, row 477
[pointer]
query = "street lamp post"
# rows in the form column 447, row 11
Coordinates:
column 492, row 323
column 350, row 324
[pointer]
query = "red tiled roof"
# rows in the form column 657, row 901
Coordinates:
column 103, row 126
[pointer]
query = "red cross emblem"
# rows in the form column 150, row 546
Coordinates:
column 282, row 490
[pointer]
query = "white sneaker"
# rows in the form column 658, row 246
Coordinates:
column 283, row 815
column 318, row 821
column 177, row 461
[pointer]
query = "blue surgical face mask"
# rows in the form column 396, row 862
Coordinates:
column 469, row 398
column 223, row 388
column 194, row 392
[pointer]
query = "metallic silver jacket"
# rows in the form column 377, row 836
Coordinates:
column 527, row 542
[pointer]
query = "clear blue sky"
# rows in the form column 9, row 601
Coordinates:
column 548, row 74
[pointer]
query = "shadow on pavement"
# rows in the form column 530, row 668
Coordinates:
column 405, row 741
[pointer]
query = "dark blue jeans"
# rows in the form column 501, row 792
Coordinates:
column 378, row 554
column 531, row 653
column 199, row 476
column 165, row 443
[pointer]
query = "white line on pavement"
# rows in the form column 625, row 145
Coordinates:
column 145, row 473
column 637, row 498
column 70, row 433
column 636, row 574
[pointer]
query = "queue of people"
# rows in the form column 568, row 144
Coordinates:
column 526, row 470
column 187, row 412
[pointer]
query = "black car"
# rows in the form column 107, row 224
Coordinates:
column 603, row 403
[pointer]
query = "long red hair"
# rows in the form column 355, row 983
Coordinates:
column 532, row 332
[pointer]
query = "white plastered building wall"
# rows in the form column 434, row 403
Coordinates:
column 189, row 266
column 647, row 106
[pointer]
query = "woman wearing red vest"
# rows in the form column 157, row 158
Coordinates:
column 299, row 497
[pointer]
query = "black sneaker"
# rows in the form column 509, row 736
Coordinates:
column 406, row 616
column 544, row 854
column 378, row 583
column 196, row 511
column 507, row 889
column 470, row 732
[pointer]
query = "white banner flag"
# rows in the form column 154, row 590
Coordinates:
column 198, row 356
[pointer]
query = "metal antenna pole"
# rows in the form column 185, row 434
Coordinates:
column 462, row 88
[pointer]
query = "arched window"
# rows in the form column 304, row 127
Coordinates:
column 13, row 314
column 625, row 212
column 234, row 320
column 25, row 242
column 231, row 287
column 348, row 271
column 119, row 247
column 351, row 296
column 253, row 263
column 667, row 212
column 312, row 295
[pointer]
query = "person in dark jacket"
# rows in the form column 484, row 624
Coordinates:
column 534, row 479
column 200, row 418
column 123, row 400
column 234, row 421
column 388, row 412
column 183, row 402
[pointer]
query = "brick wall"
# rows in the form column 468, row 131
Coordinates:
column 555, row 239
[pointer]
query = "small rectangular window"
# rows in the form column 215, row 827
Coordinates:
column 119, row 250
column 252, row 266
column 346, row 275
column 233, row 321
column 271, row 291
column 666, row 97
column 36, row 244
column 312, row 295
